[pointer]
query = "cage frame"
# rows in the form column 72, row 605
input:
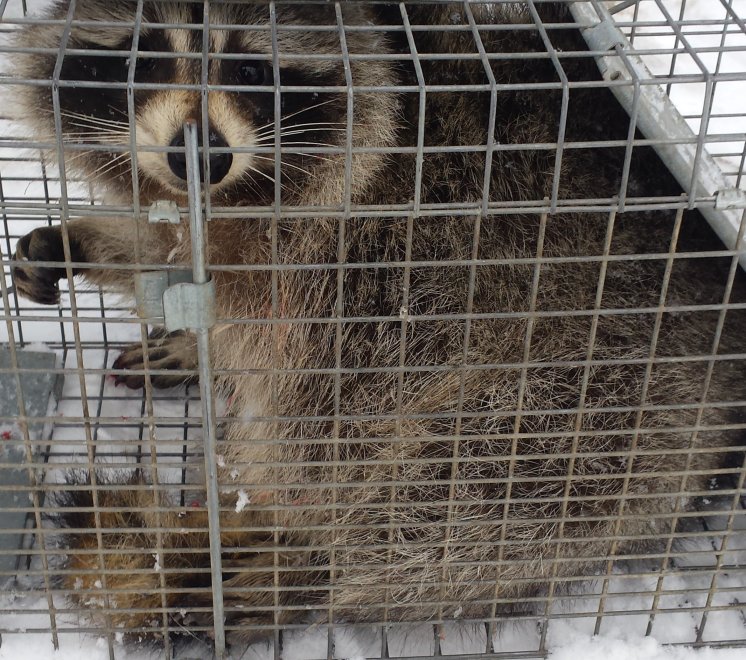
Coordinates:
column 715, row 203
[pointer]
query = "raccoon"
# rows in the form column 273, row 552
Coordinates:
column 431, row 414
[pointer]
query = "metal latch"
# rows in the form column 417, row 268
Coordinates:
column 730, row 198
column 604, row 36
column 189, row 306
column 164, row 210
column 171, row 297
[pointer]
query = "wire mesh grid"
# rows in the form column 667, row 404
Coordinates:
column 476, row 362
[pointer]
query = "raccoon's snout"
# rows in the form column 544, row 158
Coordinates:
column 220, row 163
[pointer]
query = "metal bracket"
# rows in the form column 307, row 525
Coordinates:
column 164, row 210
column 604, row 36
column 189, row 306
column 150, row 287
column 730, row 198
column 172, row 298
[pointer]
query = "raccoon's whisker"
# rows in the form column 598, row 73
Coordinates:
column 77, row 156
column 284, row 164
column 269, row 138
column 246, row 178
column 101, row 134
column 93, row 138
column 95, row 122
column 299, row 128
column 90, row 119
column 83, row 121
column 253, row 183
column 93, row 118
column 110, row 169
column 101, row 129
column 316, row 156
column 111, row 164
column 71, row 161
column 300, row 152
column 258, row 171
column 89, row 153
column 271, row 129
column 120, row 111
column 293, row 114
column 309, row 144
column 305, row 130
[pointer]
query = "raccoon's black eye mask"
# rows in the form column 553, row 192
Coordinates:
column 254, row 72
column 115, row 68
column 98, row 66
column 145, row 65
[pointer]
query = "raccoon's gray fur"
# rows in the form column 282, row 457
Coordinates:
column 497, row 426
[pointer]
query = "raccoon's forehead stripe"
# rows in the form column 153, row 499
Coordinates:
column 182, row 41
column 109, row 37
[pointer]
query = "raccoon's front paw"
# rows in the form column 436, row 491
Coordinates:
column 39, row 283
column 174, row 350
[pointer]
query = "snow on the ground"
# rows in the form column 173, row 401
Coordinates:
column 570, row 636
column 728, row 118
column 636, row 648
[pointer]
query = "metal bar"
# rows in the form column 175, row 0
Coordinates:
column 199, row 265
column 64, row 218
column 276, row 216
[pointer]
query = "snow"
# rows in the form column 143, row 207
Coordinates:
column 570, row 634
column 243, row 501
column 626, row 647
column 727, row 125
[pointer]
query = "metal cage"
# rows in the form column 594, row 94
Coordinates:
column 677, row 67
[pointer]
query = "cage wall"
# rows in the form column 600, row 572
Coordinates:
column 371, row 329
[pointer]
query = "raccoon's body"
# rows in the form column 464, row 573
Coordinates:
column 445, row 427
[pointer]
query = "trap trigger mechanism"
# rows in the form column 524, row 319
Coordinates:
column 172, row 298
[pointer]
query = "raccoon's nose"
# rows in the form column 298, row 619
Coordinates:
column 220, row 164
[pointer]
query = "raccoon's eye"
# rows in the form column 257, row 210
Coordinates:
column 145, row 65
column 255, row 72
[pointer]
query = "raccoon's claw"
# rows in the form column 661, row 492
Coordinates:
column 175, row 350
column 39, row 283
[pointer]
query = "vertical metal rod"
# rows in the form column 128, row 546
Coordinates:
column 9, row 252
column 339, row 329
column 274, row 349
column 64, row 207
column 557, row 64
column 199, row 274
column 148, row 407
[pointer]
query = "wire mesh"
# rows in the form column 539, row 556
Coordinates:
column 475, row 377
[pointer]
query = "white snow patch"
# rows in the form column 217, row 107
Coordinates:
column 243, row 501
column 631, row 647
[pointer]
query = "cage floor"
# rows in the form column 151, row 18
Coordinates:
column 573, row 617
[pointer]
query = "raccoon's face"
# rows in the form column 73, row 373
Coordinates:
column 122, row 87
